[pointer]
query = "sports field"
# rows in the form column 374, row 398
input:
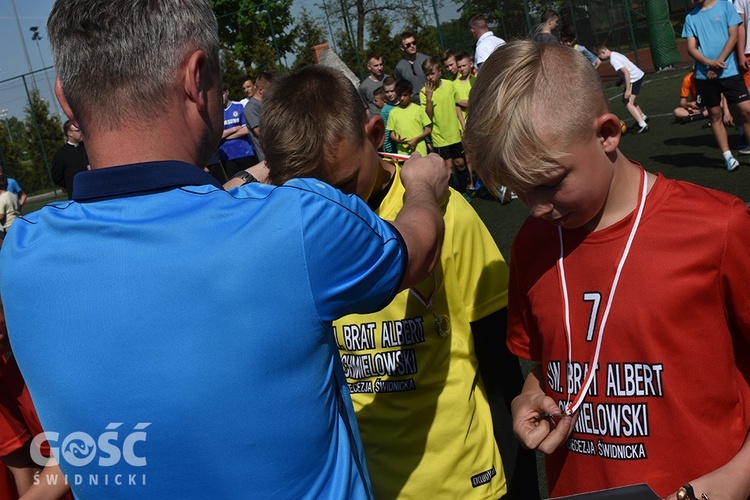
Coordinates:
column 687, row 152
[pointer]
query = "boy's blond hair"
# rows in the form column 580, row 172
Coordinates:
column 306, row 115
column 525, row 87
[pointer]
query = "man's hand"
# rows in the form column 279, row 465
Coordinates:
column 420, row 172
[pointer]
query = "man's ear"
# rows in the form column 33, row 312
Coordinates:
column 64, row 102
column 196, row 78
column 609, row 131
column 375, row 130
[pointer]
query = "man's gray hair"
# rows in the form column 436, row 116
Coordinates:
column 117, row 59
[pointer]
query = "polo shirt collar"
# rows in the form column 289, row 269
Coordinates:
column 137, row 179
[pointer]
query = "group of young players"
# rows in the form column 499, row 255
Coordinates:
column 627, row 289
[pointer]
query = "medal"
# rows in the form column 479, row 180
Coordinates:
column 442, row 322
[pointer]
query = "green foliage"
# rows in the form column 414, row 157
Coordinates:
column 426, row 35
column 34, row 173
column 257, row 34
column 309, row 34
column 233, row 75
column 381, row 41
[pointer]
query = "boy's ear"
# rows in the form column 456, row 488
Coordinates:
column 375, row 131
column 609, row 132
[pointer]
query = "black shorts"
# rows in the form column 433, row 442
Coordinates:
column 450, row 152
column 635, row 87
column 709, row 91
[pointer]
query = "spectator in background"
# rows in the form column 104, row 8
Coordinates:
column 14, row 188
column 568, row 37
column 235, row 150
column 253, row 110
column 373, row 81
column 391, row 101
column 548, row 24
column 9, row 209
column 410, row 66
column 487, row 42
column 450, row 62
column 248, row 87
column 69, row 159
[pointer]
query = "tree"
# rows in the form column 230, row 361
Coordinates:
column 41, row 136
column 257, row 34
column 381, row 41
column 309, row 33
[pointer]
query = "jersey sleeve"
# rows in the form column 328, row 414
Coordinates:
column 355, row 260
column 523, row 340
column 426, row 122
column 686, row 90
column 481, row 271
column 735, row 271
column 687, row 28
column 422, row 98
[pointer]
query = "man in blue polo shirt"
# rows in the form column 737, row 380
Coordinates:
column 147, row 382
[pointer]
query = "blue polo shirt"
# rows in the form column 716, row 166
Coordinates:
column 153, row 384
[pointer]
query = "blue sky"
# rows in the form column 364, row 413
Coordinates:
column 12, row 59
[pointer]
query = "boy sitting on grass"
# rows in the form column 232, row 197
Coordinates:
column 628, row 289
column 424, row 415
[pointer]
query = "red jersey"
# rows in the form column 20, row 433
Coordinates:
column 669, row 382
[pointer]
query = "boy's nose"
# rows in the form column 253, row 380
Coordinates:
column 539, row 205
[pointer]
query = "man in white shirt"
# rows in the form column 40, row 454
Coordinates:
column 487, row 42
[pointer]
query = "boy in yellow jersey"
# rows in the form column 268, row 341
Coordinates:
column 408, row 123
column 412, row 368
column 439, row 99
column 463, row 83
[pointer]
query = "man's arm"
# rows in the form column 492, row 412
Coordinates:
column 420, row 221
column 729, row 481
column 259, row 171
column 21, row 198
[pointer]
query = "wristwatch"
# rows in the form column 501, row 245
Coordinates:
column 245, row 176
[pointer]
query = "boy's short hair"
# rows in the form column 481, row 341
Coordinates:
column 448, row 54
column 599, row 47
column 430, row 64
column 524, row 88
column 463, row 55
column 389, row 80
column 567, row 34
column 303, row 127
column 373, row 55
column 380, row 91
column 478, row 21
column 404, row 87
column 263, row 81
column 549, row 14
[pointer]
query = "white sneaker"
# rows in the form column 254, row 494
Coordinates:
column 732, row 164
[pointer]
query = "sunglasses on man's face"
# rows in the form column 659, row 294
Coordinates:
column 407, row 45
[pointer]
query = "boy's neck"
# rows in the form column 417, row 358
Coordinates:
column 464, row 78
column 707, row 4
column 622, row 198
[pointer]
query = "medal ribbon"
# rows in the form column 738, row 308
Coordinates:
column 572, row 407
column 426, row 301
